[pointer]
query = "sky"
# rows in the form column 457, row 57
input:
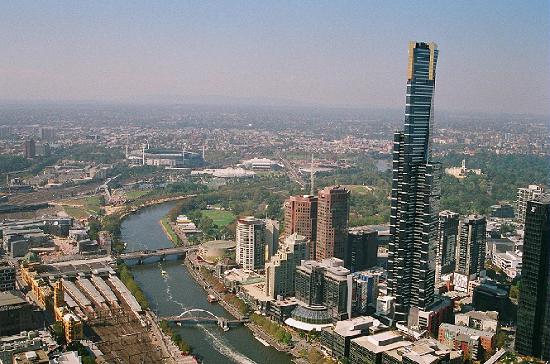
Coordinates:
column 494, row 54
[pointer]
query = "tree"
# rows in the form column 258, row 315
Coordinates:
column 94, row 227
column 57, row 329
column 514, row 291
column 501, row 339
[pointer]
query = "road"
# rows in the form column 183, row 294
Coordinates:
column 292, row 172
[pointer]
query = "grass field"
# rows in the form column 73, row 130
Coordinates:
column 220, row 218
column 76, row 212
column 132, row 195
column 358, row 189
column 83, row 207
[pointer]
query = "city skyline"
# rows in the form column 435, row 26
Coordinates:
column 237, row 182
column 278, row 54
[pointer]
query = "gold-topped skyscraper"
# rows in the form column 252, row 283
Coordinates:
column 415, row 191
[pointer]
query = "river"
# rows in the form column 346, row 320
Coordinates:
column 178, row 291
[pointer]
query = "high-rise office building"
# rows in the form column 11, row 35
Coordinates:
column 524, row 195
column 447, row 235
column 323, row 283
column 47, row 134
column 470, row 250
column 301, row 217
column 332, row 223
column 415, row 190
column 533, row 320
column 362, row 249
column 5, row 131
column 271, row 236
column 30, row 149
column 250, row 236
column 280, row 270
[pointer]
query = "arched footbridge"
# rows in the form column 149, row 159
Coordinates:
column 195, row 316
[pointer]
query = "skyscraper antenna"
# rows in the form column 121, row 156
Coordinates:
column 312, row 177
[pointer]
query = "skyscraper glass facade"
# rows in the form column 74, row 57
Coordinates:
column 533, row 325
column 415, row 190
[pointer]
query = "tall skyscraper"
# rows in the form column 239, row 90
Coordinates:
column 447, row 235
column 301, row 217
column 332, row 223
column 470, row 250
column 533, row 326
column 524, row 195
column 250, row 236
column 415, row 190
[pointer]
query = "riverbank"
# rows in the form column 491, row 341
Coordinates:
column 258, row 331
column 176, row 292
column 169, row 231
column 174, row 345
column 147, row 203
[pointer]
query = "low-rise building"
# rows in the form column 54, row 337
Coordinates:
column 23, row 342
column 429, row 319
column 472, row 342
column 369, row 349
column 281, row 309
column 261, row 164
column 236, row 277
column 337, row 340
column 489, row 296
column 509, row 262
column 480, row 320
column 503, row 211
column 15, row 313
column 31, row 357
column 7, row 276
column 423, row 351
column 185, row 224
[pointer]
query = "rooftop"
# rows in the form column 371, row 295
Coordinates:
column 10, row 298
column 543, row 198
column 385, row 341
column 483, row 315
column 464, row 330
column 426, row 351
column 355, row 325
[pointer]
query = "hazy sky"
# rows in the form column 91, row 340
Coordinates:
column 494, row 55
